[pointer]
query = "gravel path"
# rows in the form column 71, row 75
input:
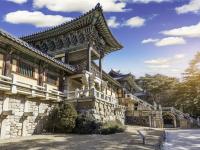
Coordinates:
column 127, row 140
column 182, row 140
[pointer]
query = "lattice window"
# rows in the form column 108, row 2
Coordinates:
column 25, row 69
column 67, row 41
column 74, row 39
column 44, row 47
column 81, row 38
column 51, row 45
column 59, row 44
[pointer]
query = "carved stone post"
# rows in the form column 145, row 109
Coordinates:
column 175, row 125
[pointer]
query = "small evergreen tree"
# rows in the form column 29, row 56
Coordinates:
column 62, row 118
column 67, row 118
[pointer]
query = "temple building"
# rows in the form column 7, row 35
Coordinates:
column 138, row 111
column 40, row 70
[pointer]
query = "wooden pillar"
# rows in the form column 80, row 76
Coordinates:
column 89, row 57
column 100, row 63
column 67, row 57
column 61, row 81
column 7, row 66
column 41, row 73
column 111, row 89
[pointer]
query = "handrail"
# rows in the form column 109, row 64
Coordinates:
column 5, row 78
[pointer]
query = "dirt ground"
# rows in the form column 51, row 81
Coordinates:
column 130, row 139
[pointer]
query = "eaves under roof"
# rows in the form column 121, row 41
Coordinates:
column 94, row 16
column 34, row 51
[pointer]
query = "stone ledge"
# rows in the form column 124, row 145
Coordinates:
column 7, row 113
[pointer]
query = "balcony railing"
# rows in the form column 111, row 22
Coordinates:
column 10, row 85
column 80, row 94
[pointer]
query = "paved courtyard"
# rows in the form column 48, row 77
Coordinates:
column 128, row 140
column 182, row 140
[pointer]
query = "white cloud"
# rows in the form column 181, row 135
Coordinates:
column 170, row 41
column 165, row 41
column 179, row 56
column 186, row 31
column 149, row 40
column 35, row 18
column 135, row 22
column 164, row 63
column 193, row 6
column 112, row 22
column 149, row 1
column 18, row 1
column 80, row 5
column 159, row 61
column 159, row 66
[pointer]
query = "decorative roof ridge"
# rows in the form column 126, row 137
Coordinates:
column 97, row 7
column 26, row 45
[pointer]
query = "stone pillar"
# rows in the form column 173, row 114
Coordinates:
column 66, row 85
column 5, row 125
column 150, row 121
column 89, row 57
column 4, row 129
column 155, row 105
column 175, row 125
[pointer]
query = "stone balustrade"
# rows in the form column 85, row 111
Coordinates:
column 143, row 104
column 11, row 86
column 84, row 94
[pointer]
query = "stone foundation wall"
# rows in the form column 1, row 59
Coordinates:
column 101, row 111
column 138, row 120
column 28, row 116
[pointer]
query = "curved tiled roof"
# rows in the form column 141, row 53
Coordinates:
column 36, row 51
column 82, row 21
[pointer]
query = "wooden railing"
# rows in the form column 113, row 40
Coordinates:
column 11, row 85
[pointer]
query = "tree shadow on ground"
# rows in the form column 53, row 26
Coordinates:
column 126, row 140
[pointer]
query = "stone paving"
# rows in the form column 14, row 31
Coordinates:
column 127, row 140
column 182, row 139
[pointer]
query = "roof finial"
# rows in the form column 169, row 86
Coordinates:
column 98, row 6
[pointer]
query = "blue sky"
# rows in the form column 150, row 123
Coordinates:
column 159, row 36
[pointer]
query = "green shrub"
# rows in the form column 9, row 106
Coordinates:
column 111, row 127
column 86, row 125
column 63, row 118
